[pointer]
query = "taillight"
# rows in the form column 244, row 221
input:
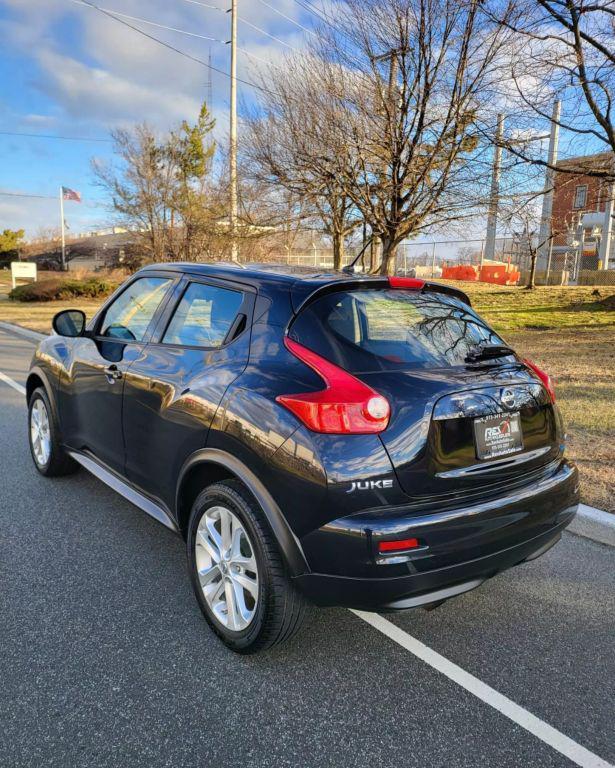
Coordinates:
column 544, row 377
column 346, row 406
column 413, row 283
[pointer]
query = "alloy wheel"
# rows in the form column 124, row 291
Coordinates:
column 226, row 567
column 40, row 432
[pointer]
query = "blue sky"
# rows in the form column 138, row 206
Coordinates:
column 69, row 70
column 66, row 69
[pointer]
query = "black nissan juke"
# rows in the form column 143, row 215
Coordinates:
column 335, row 439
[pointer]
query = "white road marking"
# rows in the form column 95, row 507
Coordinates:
column 11, row 383
column 545, row 732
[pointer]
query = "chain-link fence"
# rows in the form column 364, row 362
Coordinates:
column 434, row 259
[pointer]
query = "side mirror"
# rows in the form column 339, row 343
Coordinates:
column 70, row 322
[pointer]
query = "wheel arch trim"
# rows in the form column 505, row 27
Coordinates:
column 37, row 371
column 289, row 544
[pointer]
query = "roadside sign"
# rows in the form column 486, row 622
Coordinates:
column 23, row 270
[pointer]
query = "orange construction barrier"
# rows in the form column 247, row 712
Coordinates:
column 499, row 274
column 460, row 272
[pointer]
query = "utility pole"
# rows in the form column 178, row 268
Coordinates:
column 492, row 217
column 233, row 132
column 393, row 103
column 607, row 228
column 545, row 236
column 391, row 57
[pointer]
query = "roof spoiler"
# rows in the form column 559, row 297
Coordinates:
column 448, row 290
column 370, row 281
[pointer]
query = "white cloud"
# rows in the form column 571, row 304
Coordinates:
column 93, row 74
column 110, row 98
column 114, row 76
column 32, row 213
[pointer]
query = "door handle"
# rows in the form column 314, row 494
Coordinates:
column 112, row 372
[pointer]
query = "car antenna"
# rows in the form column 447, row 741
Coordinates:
column 349, row 268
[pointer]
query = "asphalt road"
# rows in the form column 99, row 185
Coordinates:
column 106, row 661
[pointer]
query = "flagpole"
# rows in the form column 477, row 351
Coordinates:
column 62, row 229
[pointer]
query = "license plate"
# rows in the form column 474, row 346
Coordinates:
column 498, row 435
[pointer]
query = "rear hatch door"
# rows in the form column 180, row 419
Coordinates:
column 459, row 425
column 466, row 432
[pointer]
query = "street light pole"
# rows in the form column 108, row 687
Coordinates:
column 233, row 133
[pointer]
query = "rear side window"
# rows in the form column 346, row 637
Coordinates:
column 371, row 330
column 131, row 313
column 203, row 317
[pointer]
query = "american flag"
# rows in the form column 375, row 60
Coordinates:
column 70, row 194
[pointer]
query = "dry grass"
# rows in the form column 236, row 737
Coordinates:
column 38, row 315
column 5, row 279
column 582, row 364
column 568, row 331
column 542, row 309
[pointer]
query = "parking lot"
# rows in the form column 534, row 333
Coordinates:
column 107, row 661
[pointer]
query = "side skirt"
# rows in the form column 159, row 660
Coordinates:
column 126, row 490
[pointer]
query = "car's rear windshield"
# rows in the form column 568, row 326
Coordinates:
column 370, row 330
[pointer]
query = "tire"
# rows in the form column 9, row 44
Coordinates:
column 278, row 610
column 48, row 456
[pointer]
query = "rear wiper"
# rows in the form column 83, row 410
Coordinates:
column 488, row 352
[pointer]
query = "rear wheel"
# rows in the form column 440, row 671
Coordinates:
column 48, row 455
column 237, row 572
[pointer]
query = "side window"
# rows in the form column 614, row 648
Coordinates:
column 130, row 314
column 580, row 196
column 203, row 316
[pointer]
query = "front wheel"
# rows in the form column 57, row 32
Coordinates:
column 237, row 572
column 47, row 453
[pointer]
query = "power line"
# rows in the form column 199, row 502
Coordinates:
column 175, row 29
column 53, row 136
column 249, row 23
column 169, row 46
column 288, row 18
column 86, row 203
column 253, row 56
column 19, row 194
column 207, row 5
column 152, row 23
column 264, row 32
column 321, row 16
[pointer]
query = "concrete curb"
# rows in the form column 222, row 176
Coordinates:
column 21, row 331
column 594, row 524
column 589, row 522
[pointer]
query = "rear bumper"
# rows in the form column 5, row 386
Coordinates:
column 462, row 547
column 412, row 591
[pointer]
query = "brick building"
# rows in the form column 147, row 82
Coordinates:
column 579, row 214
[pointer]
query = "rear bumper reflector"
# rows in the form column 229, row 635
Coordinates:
column 402, row 545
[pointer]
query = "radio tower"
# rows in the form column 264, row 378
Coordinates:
column 209, row 85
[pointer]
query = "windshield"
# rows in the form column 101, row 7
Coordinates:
column 368, row 330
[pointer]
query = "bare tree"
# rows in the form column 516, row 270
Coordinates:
column 163, row 188
column 404, row 82
column 47, row 246
column 468, row 254
column 523, row 219
column 566, row 52
column 288, row 143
